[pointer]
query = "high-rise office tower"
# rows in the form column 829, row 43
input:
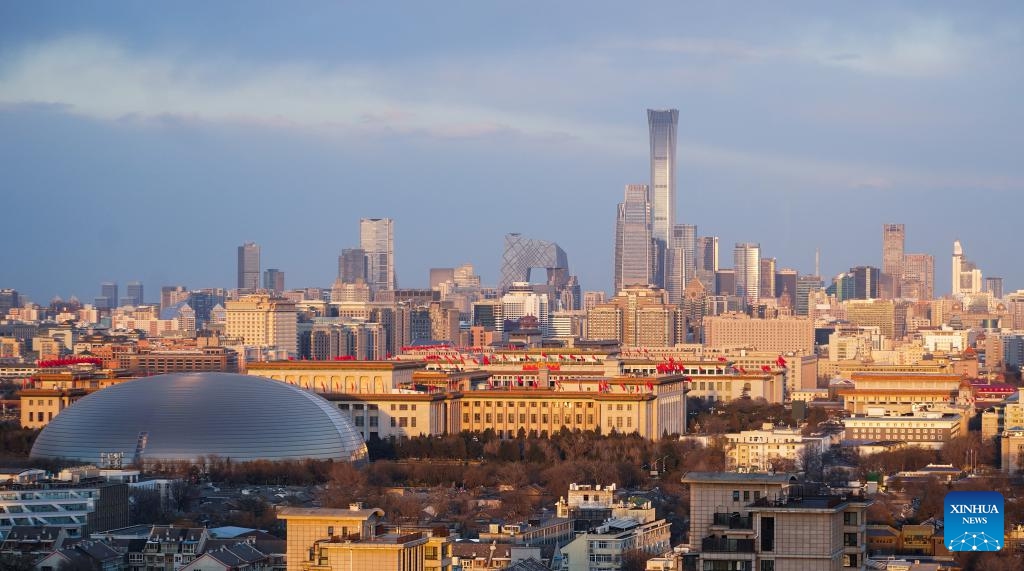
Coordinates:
column 747, row 265
column 785, row 286
column 633, row 244
column 273, row 280
column 893, row 236
column 707, row 253
column 249, row 266
column 725, row 281
column 966, row 275
column 681, row 261
column 805, row 285
column 662, row 125
column 866, row 282
column 108, row 296
column 994, row 286
column 8, row 300
column 377, row 238
column 133, row 294
column 767, row 288
column 352, row 265
column 918, row 276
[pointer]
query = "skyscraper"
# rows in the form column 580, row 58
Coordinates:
column 966, row 275
column 249, row 266
column 133, row 294
column 805, row 285
column 633, row 244
column 377, row 239
column 747, row 264
column 918, row 276
column 108, row 296
column 352, row 265
column 866, row 280
column 767, row 288
column 707, row 253
column 785, row 287
column 8, row 300
column 662, row 125
column 994, row 286
column 893, row 236
column 273, row 280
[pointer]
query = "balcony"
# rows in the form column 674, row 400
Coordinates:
column 726, row 545
column 733, row 521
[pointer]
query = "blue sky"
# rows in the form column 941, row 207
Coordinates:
column 142, row 142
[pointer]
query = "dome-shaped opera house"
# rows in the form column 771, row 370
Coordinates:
column 188, row 416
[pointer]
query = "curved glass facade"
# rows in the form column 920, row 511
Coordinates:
column 186, row 416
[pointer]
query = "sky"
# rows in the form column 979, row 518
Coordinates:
column 146, row 141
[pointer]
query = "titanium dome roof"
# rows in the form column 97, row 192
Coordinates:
column 186, row 416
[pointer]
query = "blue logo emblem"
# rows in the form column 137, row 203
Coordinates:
column 974, row 521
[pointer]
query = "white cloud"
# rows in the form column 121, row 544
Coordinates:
column 926, row 49
column 921, row 49
column 96, row 78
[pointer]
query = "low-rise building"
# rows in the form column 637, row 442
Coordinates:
column 922, row 429
column 605, row 546
column 321, row 539
column 761, row 450
column 79, row 506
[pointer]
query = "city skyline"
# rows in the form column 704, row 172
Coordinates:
column 786, row 142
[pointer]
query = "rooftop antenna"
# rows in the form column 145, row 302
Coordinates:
column 817, row 261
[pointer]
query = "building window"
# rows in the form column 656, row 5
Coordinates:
column 767, row 534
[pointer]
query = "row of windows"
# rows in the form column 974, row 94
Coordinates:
column 746, row 495
column 555, row 418
column 40, row 416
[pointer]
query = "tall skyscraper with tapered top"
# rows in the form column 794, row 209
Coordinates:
column 633, row 244
column 893, row 238
column 663, row 125
column 377, row 239
column 249, row 266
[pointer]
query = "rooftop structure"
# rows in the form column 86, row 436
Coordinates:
column 188, row 416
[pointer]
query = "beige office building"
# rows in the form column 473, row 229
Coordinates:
column 263, row 321
column 780, row 335
column 636, row 317
column 873, row 313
